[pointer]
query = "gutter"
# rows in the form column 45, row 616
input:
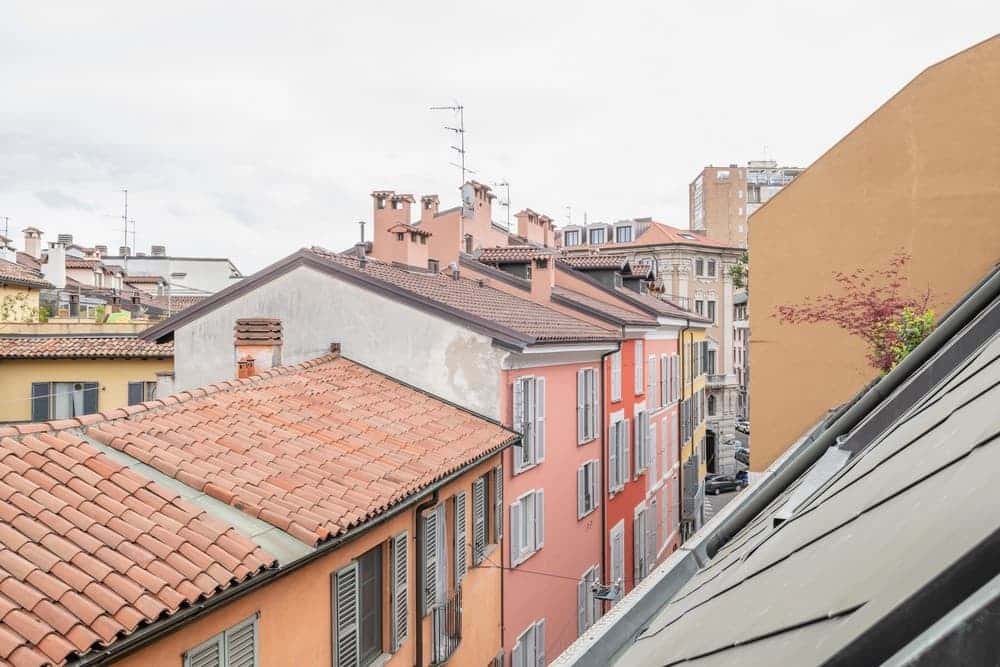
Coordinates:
column 183, row 617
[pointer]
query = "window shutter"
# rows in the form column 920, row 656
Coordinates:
column 581, row 400
column 651, row 381
column 616, row 376
column 515, row 533
column 518, row 422
column 539, row 519
column 135, row 392
column 478, row 520
column 636, row 549
column 595, row 411
column 651, row 454
column 626, row 460
column 595, row 487
column 498, row 492
column 638, row 368
column 461, row 565
column 442, row 559
column 90, row 393
column 539, row 420
column 400, row 590
column 40, row 395
column 581, row 605
column 208, row 654
column 581, row 481
column 612, row 458
column 540, row 643
column 346, row 614
column 517, row 656
column 241, row 644
column 431, row 556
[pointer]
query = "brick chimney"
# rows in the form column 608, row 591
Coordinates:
column 33, row 242
column 409, row 245
column 388, row 209
column 257, row 345
column 429, row 205
column 535, row 227
column 543, row 276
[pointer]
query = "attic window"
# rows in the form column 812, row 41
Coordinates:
column 542, row 262
column 423, row 240
column 433, row 265
column 397, row 204
column 399, row 236
column 380, row 202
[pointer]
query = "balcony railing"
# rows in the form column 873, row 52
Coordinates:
column 447, row 628
column 715, row 379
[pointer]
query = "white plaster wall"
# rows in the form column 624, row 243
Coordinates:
column 210, row 275
column 316, row 309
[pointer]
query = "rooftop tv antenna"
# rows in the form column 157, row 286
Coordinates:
column 569, row 214
column 125, row 216
column 460, row 132
column 5, row 230
column 505, row 200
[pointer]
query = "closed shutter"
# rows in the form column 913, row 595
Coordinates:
column 540, row 643
column 431, row 555
column 651, row 381
column 595, row 489
column 636, row 548
column 461, row 566
column 478, row 520
column 498, row 499
column 616, row 376
column 515, row 532
column 638, row 367
column 89, row 398
column 241, row 644
column 135, row 392
column 651, row 454
column 518, row 419
column 40, row 395
column 442, row 551
column 539, row 519
column 346, row 614
column 208, row 654
column 539, row 420
column 400, row 590
column 612, row 458
column 595, row 412
column 581, row 483
column 637, row 425
column 581, row 605
column 625, row 461
column 651, row 525
column 581, row 401
column 517, row 655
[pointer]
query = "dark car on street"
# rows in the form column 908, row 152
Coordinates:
column 742, row 455
column 716, row 484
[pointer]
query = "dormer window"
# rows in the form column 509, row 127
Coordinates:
column 623, row 234
column 400, row 236
column 380, row 202
column 597, row 236
column 397, row 204
column 571, row 237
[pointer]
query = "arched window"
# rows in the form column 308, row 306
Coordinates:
column 711, row 405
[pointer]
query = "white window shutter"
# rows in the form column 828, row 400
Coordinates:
column 637, row 379
column 539, row 419
column 515, row 532
column 400, row 590
column 595, row 483
column 612, row 458
column 519, row 422
column 581, row 401
column 498, row 493
column 539, row 519
column 637, row 547
column 595, row 409
column 517, row 655
column 581, row 606
column 626, row 459
column 346, row 617
column 540, row 643
column 478, row 520
column 651, row 454
column 431, row 555
column 581, row 482
column 616, row 376
column 461, row 565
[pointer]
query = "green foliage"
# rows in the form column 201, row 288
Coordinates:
column 908, row 331
column 99, row 314
column 740, row 271
column 15, row 308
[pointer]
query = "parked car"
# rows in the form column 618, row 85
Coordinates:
column 743, row 478
column 742, row 455
column 743, row 426
column 716, row 484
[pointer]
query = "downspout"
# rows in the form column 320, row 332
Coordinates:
column 420, row 566
column 605, row 423
column 680, row 425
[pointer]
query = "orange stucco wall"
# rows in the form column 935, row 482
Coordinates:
column 295, row 610
column 921, row 174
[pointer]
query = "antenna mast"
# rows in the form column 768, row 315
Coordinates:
column 505, row 202
column 125, row 217
column 460, row 131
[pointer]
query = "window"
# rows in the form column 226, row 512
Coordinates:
column 699, row 267
column 711, row 405
column 618, row 454
column 651, row 380
column 722, row 175
column 637, row 380
column 529, row 651
column 141, row 391
column 468, row 243
column 432, row 579
column 236, row 647
column 664, row 380
column 357, row 612
column 699, row 306
column 433, row 265
column 400, row 236
column 618, row 556
column 640, row 537
column 641, row 441
column 480, row 518
column 711, row 310
column 571, row 237
column 529, row 421
column 588, row 607
column 597, row 236
column 587, row 410
column 459, row 565
column 62, row 400
column 498, row 503
column 527, row 526
column 623, row 234
column 710, row 361
column 711, row 268
column 616, row 376
column 587, row 489
column 400, row 590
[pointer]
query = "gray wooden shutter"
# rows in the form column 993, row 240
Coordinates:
column 431, row 555
column 515, row 532
column 135, row 392
column 400, row 590
column 595, row 411
column 540, row 643
column 539, row 419
column 478, row 520
column 241, row 644
column 581, row 400
column 539, row 519
column 208, row 654
column 595, row 486
column 498, row 493
column 626, row 460
column 90, row 398
column 442, row 552
column 581, row 482
column 518, row 422
column 612, row 458
column 461, row 531
column 40, row 397
column 517, row 655
column 581, row 605
column 346, row 614
column 637, row 539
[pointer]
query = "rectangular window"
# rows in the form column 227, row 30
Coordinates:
column 637, row 379
column 711, row 268
column 435, row 557
column 651, row 380
column 699, row 306
column 641, row 442
column 640, row 559
column 497, row 504
column 597, row 236
column 616, row 376
column 459, row 565
column 141, row 391
column 529, row 421
column 711, row 310
column 571, row 237
column 587, row 489
column 63, row 400
column 664, row 380
column 235, row 647
column 623, row 234
column 480, row 518
column 587, row 409
column 710, row 362
column 618, row 556
column 529, row 651
column 587, row 606
column 400, row 590
column 619, row 463
column 433, row 265
column 527, row 526
column 699, row 267
column 357, row 610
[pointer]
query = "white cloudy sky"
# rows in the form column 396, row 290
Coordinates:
column 250, row 129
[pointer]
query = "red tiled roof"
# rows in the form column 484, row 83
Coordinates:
column 90, row 550
column 659, row 233
column 657, row 305
column 81, row 347
column 595, row 261
column 527, row 318
column 615, row 313
column 405, row 227
column 513, row 254
column 17, row 274
column 82, row 263
column 144, row 280
column 27, row 261
column 313, row 449
column 174, row 303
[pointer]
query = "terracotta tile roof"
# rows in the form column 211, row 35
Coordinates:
column 404, row 227
column 602, row 309
column 657, row 305
column 173, row 304
column 313, row 449
column 27, row 261
column 81, row 347
column 82, row 263
column 17, row 274
column 531, row 321
column 639, row 270
column 90, row 551
column 659, row 233
column 513, row 254
column 144, row 280
column 595, row 261
column 257, row 331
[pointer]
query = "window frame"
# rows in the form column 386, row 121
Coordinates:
column 221, row 639
column 588, row 481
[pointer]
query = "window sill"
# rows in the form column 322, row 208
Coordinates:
column 586, row 514
column 380, row 661
column 526, row 468
column 487, row 552
column 524, row 559
column 586, row 442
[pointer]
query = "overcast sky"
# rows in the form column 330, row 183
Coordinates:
column 245, row 130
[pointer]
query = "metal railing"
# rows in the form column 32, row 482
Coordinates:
column 447, row 628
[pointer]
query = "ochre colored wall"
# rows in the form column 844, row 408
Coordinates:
column 19, row 311
column 113, row 375
column 921, row 174
column 295, row 610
